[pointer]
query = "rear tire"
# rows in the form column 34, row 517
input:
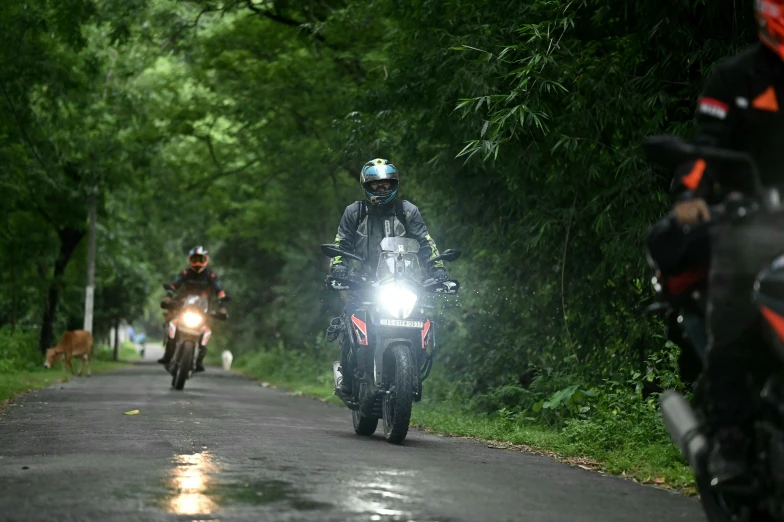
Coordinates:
column 184, row 365
column 365, row 426
column 400, row 373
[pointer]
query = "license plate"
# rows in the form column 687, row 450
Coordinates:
column 404, row 324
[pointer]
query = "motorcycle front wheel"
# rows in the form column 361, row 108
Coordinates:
column 400, row 374
column 721, row 508
column 184, row 365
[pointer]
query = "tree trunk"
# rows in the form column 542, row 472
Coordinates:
column 14, row 294
column 69, row 240
column 117, row 339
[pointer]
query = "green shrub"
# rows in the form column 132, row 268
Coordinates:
column 19, row 351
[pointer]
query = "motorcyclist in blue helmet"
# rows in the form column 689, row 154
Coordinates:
column 381, row 214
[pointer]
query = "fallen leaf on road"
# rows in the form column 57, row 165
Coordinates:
column 659, row 480
column 132, row 412
column 586, row 468
column 265, row 384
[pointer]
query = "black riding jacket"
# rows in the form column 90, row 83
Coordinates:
column 740, row 109
column 362, row 229
column 190, row 282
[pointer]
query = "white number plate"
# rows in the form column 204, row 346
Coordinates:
column 404, row 324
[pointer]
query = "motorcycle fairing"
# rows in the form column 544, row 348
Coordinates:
column 205, row 332
column 360, row 328
column 426, row 334
column 392, row 335
column 769, row 295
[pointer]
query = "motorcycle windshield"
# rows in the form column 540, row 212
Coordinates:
column 398, row 257
column 200, row 303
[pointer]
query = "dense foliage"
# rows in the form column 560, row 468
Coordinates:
column 241, row 125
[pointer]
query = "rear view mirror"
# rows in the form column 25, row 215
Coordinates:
column 736, row 170
column 331, row 250
column 448, row 255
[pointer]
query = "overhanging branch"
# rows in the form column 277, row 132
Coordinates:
column 282, row 19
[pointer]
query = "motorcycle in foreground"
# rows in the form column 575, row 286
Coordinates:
column 762, row 498
column 389, row 343
column 189, row 330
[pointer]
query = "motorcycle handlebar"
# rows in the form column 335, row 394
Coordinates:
column 175, row 304
column 448, row 286
column 671, row 151
column 733, row 207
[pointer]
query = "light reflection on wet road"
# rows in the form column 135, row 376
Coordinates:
column 190, row 481
column 227, row 449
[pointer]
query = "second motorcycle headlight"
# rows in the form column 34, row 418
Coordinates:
column 192, row 319
column 397, row 300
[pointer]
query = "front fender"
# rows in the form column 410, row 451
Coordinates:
column 378, row 356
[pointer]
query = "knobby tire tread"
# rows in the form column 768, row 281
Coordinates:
column 184, row 364
column 404, row 394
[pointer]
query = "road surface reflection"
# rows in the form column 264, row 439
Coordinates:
column 189, row 481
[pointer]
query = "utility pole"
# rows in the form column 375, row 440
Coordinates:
column 89, row 294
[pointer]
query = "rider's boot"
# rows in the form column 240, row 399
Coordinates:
column 728, row 459
column 200, row 358
column 344, row 387
column 169, row 353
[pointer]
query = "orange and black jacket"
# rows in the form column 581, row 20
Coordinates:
column 739, row 110
column 190, row 282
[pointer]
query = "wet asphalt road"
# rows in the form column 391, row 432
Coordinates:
column 227, row 449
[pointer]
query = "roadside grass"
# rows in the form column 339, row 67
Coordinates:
column 655, row 462
column 293, row 372
column 28, row 376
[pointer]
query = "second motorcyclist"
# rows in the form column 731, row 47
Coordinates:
column 197, row 279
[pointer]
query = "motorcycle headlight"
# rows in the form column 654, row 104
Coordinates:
column 192, row 319
column 397, row 300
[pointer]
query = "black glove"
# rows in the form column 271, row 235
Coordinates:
column 340, row 271
column 439, row 274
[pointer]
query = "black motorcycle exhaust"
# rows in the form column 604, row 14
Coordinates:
column 683, row 427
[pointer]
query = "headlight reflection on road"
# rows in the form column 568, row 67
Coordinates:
column 189, row 481
column 381, row 494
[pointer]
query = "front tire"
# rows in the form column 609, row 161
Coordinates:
column 716, row 508
column 365, row 426
column 400, row 373
column 184, row 364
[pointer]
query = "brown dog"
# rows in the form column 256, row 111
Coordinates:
column 77, row 343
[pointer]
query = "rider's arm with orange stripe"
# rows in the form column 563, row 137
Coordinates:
column 217, row 287
column 716, row 117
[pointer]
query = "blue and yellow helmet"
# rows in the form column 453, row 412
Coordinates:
column 377, row 170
